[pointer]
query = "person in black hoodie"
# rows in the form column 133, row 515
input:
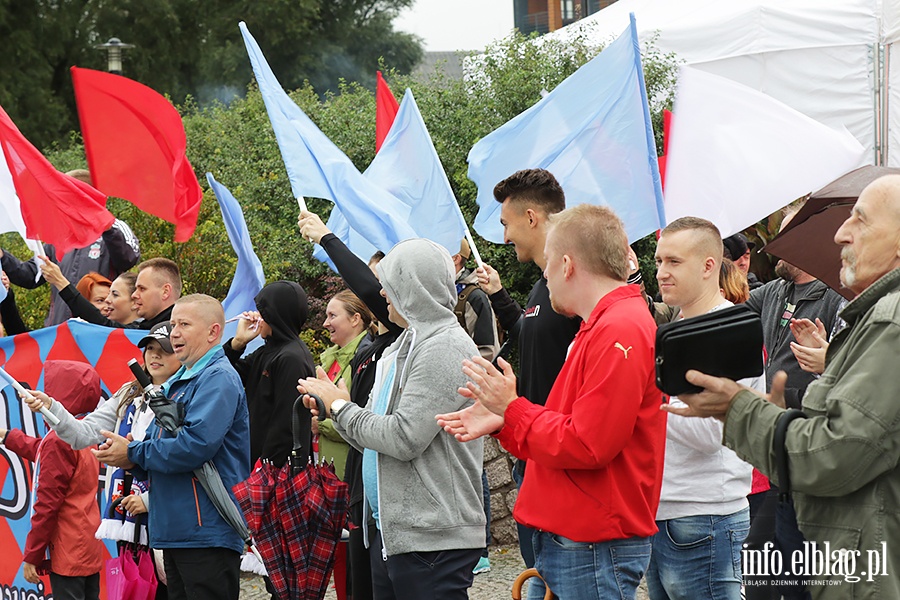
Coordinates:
column 362, row 281
column 270, row 373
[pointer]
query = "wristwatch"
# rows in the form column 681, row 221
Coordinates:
column 336, row 406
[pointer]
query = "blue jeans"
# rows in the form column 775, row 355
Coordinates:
column 698, row 558
column 591, row 570
column 535, row 587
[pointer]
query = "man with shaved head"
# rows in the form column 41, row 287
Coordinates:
column 844, row 456
column 201, row 551
column 703, row 515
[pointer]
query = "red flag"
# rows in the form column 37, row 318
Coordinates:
column 57, row 209
column 386, row 108
column 667, row 127
column 135, row 145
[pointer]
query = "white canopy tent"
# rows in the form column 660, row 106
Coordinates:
column 833, row 60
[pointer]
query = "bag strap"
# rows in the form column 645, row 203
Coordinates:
column 782, row 466
column 460, row 309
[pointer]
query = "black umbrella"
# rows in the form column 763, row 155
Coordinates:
column 807, row 242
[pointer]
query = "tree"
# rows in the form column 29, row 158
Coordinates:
column 187, row 48
column 236, row 143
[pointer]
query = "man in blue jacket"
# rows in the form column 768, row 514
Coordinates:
column 202, row 552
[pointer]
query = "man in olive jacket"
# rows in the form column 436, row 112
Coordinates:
column 844, row 456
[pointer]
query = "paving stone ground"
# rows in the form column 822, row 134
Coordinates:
column 506, row 564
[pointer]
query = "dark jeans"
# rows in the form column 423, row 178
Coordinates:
column 75, row 588
column 486, row 493
column 445, row 574
column 202, row 573
column 775, row 523
column 526, row 547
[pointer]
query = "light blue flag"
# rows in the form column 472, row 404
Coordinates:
column 593, row 132
column 248, row 276
column 407, row 166
column 318, row 169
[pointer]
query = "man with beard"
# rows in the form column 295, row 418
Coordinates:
column 843, row 458
column 795, row 295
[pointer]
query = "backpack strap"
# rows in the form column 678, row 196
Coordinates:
column 460, row 309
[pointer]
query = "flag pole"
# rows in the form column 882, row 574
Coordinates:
column 302, row 202
column 469, row 239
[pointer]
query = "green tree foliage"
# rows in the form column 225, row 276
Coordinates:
column 237, row 145
column 187, row 47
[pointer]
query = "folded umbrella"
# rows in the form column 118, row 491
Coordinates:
column 256, row 497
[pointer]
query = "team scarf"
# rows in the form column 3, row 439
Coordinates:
column 120, row 524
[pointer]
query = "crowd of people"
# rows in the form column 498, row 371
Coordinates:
column 618, row 483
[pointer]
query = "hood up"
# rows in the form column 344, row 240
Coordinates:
column 418, row 277
column 73, row 384
column 284, row 307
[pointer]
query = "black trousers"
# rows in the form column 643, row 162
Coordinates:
column 359, row 569
column 774, row 522
column 75, row 588
column 202, row 573
column 445, row 574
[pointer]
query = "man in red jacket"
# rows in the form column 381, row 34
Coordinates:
column 595, row 451
column 65, row 513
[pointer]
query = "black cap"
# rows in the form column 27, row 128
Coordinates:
column 160, row 333
column 736, row 246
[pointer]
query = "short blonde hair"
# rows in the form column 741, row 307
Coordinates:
column 210, row 308
column 595, row 235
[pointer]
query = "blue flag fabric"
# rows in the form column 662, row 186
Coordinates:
column 318, row 169
column 593, row 132
column 248, row 276
column 407, row 166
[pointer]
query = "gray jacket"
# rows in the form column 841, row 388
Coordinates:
column 818, row 301
column 429, row 484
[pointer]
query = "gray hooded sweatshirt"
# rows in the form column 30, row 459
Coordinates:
column 429, row 485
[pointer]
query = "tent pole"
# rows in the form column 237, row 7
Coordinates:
column 879, row 117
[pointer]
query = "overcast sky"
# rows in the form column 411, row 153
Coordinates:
column 457, row 24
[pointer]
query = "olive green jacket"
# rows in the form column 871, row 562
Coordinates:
column 844, row 457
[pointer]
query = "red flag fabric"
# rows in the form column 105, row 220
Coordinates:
column 386, row 108
column 135, row 145
column 667, row 126
column 57, row 209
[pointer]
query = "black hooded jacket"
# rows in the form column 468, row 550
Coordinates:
column 271, row 372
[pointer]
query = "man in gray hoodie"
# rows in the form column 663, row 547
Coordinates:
column 422, row 486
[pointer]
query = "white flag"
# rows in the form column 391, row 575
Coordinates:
column 737, row 155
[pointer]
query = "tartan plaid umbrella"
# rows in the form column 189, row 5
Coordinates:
column 296, row 515
column 256, row 497
column 313, row 510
